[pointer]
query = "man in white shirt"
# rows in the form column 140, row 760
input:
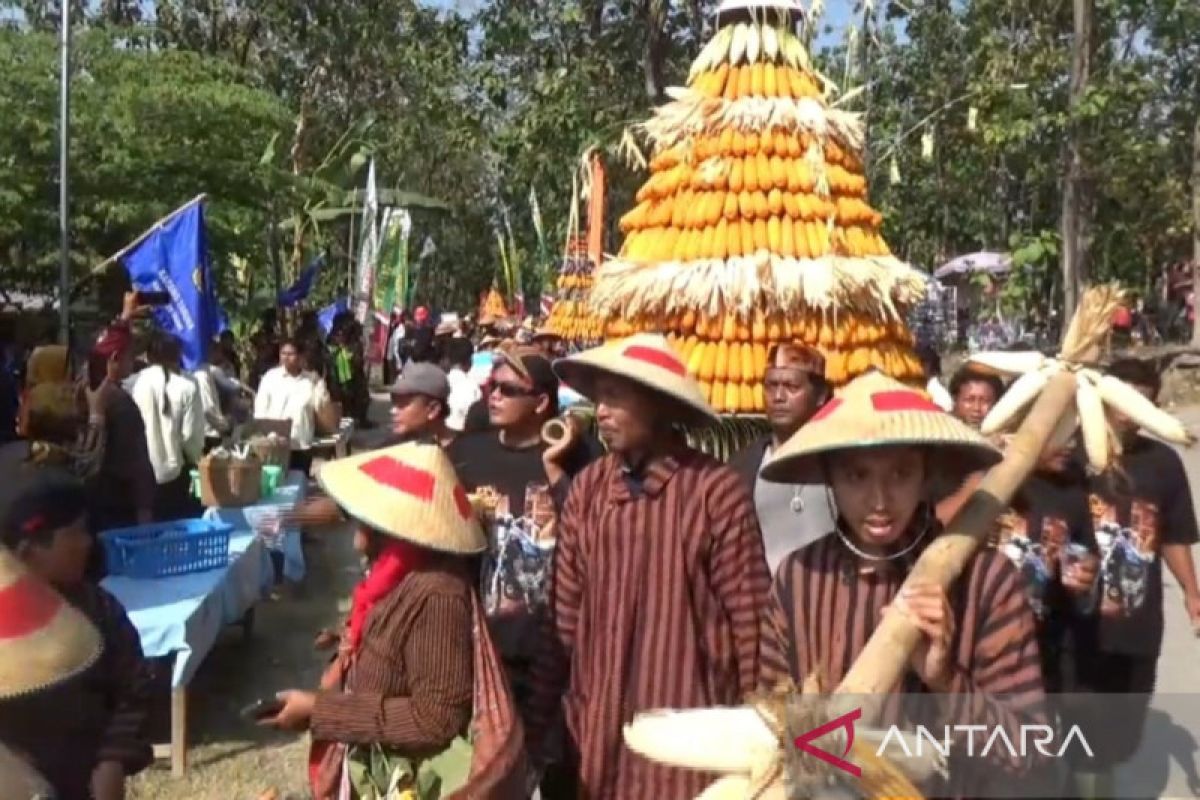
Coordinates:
column 464, row 391
column 171, row 409
column 289, row 392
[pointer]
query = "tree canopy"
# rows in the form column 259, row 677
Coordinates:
column 273, row 108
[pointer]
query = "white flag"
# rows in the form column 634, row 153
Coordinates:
column 368, row 251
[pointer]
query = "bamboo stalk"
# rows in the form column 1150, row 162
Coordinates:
column 103, row 265
column 884, row 660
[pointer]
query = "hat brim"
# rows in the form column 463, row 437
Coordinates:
column 581, row 376
column 350, row 495
column 949, row 459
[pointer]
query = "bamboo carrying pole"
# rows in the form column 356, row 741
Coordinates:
column 884, row 660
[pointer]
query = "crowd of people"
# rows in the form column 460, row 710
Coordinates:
column 525, row 595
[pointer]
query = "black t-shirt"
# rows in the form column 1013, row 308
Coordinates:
column 481, row 460
column 1135, row 514
column 1049, row 515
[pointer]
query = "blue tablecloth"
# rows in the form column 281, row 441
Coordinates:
column 288, row 540
column 184, row 614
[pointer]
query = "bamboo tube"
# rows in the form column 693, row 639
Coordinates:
column 884, row 660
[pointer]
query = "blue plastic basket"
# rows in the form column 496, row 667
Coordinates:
column 165, row 549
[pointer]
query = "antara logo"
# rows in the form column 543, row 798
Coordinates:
column 912, row 745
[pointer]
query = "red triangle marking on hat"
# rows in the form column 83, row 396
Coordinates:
column 26, row 606
column 401, row 477
column 655, row 357
column 903, row 400
column 462, row 501
column 825, row 410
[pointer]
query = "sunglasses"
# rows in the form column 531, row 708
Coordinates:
column 512, row 390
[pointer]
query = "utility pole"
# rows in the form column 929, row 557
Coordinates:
column 1196, row 227
column 64, row 141
column 1075, row 203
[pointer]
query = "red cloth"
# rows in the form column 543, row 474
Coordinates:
column 115, row 340
column 393, row 564
column 1122, row 318
column 390, row 567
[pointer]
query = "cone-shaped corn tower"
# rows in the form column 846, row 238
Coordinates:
column 754, row 226
column 571, row 318
column 491, row 305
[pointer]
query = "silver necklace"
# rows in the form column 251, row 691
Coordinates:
column 872, row 557
column 797, row 503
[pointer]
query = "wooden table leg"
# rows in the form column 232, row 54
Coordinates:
column 179, row 731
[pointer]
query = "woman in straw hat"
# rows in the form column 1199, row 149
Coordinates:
column 878, row 445
column 659, row 575
column 416, row 684
column 85, row 735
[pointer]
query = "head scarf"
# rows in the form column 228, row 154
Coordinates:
column 47, row 364
column 113, row 341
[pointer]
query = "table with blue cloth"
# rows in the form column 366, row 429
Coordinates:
column 287, row 542
column 181, row 616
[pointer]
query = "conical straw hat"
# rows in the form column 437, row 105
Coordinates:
column 874, row 410
column 43, row 639
column 410, row 492
column 646, row 359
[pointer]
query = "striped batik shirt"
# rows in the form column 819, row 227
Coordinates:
column 827, row 602
column 658, row 589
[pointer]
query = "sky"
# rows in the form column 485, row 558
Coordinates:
column 837, row 12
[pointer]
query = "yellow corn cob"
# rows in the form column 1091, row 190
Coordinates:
column 732, row 81
column 707, row 238
column 733, row 240
column 775, row 202
column 760, row 235
column 749, row 368
column 720, row 242
column 738, row 144
column 762, row 165
column 800, row 235
column 770, row 81
column 695, row 357
column 716, row 207
column 758, row 206
column 745, row 87
column 779, row 171
column 679, row 246
column 731, row 396
column 774, row 235
column 787, row 238
column 756, row 80
column 747, row 232
column 733, row 366
column 695, row 239
column 717, row 398
column 746, row 398
column 725, row 141
column 750, row 176
column 758, row 326
column 680, row 209
column 759, row 397
column 635, row 218
column 760, row 360
column 797, row 84
column 746, row 205
column 736, row 179
column 708, row 360
column 791, row 205
column 697, row 202
column 729, row 202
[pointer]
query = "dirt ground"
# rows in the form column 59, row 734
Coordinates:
column 229, row 758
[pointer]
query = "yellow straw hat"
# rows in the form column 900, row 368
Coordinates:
column 43, row 639
column 874, row 410
column 646, row 359
column 410, row 492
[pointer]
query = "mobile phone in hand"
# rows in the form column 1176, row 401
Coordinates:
column 262, row 709
column 153, row 298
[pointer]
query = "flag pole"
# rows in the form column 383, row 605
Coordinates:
column 96, row 270
column 64, row 140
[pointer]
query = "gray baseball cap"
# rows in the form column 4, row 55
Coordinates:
column 423, row 379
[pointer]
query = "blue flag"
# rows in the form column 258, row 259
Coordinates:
column 328, row 314
column 303, row 285
column 173, row 258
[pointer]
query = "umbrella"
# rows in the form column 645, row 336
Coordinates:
column 991, row 263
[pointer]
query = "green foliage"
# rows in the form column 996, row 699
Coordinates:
column 274, row 107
